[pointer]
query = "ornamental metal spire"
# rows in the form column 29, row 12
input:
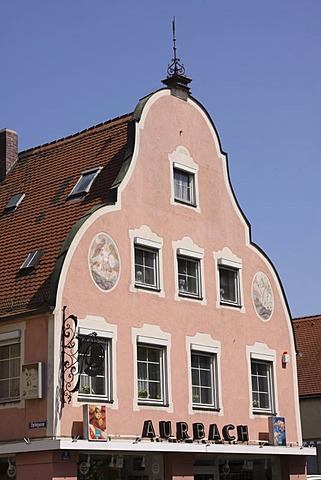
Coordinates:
column 176, row 78
column 175, row 67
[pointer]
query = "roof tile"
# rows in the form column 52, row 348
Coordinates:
column 47, row 174
column 307, row 332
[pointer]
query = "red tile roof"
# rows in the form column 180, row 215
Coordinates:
column 307, row 331
column 47, row 174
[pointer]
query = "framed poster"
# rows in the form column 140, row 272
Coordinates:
column 95, row 422
column 32, row 381
column 277, row 431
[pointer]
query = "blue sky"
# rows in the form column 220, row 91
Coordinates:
column 67, row 65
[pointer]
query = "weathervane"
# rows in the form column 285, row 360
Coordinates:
column 175, row 68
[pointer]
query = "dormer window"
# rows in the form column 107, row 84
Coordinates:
column 14, row 202
column 32, row 260
column 84, row 183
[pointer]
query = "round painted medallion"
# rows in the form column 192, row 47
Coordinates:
column 104, row 263
column 262, row 295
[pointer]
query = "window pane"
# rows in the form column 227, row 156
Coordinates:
column 14, row 387
column 206, row 396
column 154, row 371
column 150, row 373
column 4, row 389
column 261, row 386
column 202, row 379
column 229, row 285
column 188, row 276
column 184, row 186
column 141, row 353
column 195, row 377
column 94, row 355
column 98, row 385
column 142, row 370
column 142, row 389
column 10, row 371
column 153, row 355
column 205, row 378
column 145, row 267
column 155, row 391
column 4, row 352
column 4, row 369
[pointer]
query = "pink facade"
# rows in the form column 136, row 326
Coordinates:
column 192, row 318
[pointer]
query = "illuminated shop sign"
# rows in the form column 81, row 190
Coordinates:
column 230, row 432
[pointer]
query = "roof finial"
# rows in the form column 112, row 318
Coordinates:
column 175, row 68
column 176, row 78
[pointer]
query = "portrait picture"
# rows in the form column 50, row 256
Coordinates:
column 262, row 296
column 104, row 261
column 95, row 422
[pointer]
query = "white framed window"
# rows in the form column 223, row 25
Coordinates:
column 10, row 366
column 184, row 186
column 189, row 283
column 147, row 261
column 146, row 267
column 95, row 379
column 151, row 374
column 184, row 179
column 229, row 279
column 204, row 380
column 229, row 285
column 188, row 270
column 262, row 386
column 84, row 182
column 262, row 380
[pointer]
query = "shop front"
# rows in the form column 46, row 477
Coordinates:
column 153, row 467
column 143, row 459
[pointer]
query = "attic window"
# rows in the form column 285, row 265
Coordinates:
column 14, row 202
column 32, row 260
column 84, row 183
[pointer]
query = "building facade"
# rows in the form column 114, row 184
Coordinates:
column 143, row 336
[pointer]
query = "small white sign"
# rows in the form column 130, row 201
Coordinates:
column 31, row 381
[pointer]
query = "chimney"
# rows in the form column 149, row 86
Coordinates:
column 8, row 151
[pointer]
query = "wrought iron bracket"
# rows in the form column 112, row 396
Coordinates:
column 77, row 355
column 69, row 353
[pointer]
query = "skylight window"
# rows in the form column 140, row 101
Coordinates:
column 14, row 202
column 84, row 183
column 32, row 260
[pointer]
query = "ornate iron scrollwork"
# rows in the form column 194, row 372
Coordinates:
column 175, row 68
column 78, row 355
column 70, row 365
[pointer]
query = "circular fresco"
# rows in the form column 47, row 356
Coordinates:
column 104, row 261
column 262, row 296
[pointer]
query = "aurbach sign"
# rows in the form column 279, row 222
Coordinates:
column 165, row 432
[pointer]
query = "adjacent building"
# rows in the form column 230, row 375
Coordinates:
column 143, row 336
column 307, row 332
